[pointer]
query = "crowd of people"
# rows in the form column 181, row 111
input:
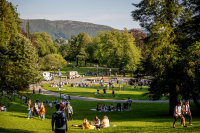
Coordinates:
column 104, row 108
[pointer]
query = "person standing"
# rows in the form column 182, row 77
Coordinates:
column 60, row 120
column 113, row 92
column 107, row 86
column 187, row 112
column 42, row 111
column 98, row 92
column 36, row 111
column 104, row 91
column 69, row 111
column 30, row 109
column 62, row 106
column 129, row 103
column 177, row 114
column 118, row 106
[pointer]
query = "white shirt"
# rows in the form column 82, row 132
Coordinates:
column 178, row 110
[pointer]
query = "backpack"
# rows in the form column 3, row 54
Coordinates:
column 60, row 120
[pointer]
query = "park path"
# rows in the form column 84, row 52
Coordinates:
column 54, row 94
column 50, row 93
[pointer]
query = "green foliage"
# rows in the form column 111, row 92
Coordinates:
column 19, row 66
column 46, row 45
column 9, row 24
column 28, row 35
column 50, row 60
column 79, row 46
column 117, row 50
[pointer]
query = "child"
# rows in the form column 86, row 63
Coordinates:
column 42, row 111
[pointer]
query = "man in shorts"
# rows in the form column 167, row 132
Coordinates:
column 177, row 114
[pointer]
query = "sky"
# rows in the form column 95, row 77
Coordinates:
column 113, row 13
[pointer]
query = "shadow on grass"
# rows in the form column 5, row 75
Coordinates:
column 4, row 130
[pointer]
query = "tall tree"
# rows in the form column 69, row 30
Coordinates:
column 79, row 45
column 159, row 18
column 28, row 34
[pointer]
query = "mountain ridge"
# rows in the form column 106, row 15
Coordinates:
column 63, row 28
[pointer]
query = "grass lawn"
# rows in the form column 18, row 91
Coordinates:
column 91, row 91
column 144, row 117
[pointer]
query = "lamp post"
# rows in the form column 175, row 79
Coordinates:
column 60, row 76
column 54, row 73
column 110, row 75
column 97, row 71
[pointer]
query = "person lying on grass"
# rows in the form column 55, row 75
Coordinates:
column 177, row 114
column 87, row 125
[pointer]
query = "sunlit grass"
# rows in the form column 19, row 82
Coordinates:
column 144, row 117
column 126, row 91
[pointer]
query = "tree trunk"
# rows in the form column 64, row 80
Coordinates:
column 85, row 63
column 76, row 63
column 173, row 98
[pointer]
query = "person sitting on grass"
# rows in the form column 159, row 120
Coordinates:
column 87, row 125
column 105, row 122
column 50, row 105
column 98, row 107
column 97, row 122
column 187, row 112
column 118, row 106
column 177, row 114
column 42, row 111
column 112, row 107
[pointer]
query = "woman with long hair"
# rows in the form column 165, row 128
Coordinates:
column 97, row 122
column 42, row 111
column 36, row 111
column 30, row 109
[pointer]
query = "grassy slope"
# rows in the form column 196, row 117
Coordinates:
column 90, row 92
column 144, row 117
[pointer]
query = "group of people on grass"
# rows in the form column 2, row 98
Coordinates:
column 126, row 106
column 38, row 109
column 96, row 125
column 182, row 111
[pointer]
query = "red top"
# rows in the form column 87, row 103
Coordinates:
column 62, row 107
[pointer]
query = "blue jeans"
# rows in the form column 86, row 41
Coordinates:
column 29, row 112
column 43, row 116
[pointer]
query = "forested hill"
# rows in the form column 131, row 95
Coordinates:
column 63, row 28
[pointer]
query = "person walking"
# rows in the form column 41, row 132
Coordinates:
column 42, row 111
column 177, row 114
column 69, row 111
column 187, row 112
column 30, row 109
column 62, row 106
column 60, row 121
